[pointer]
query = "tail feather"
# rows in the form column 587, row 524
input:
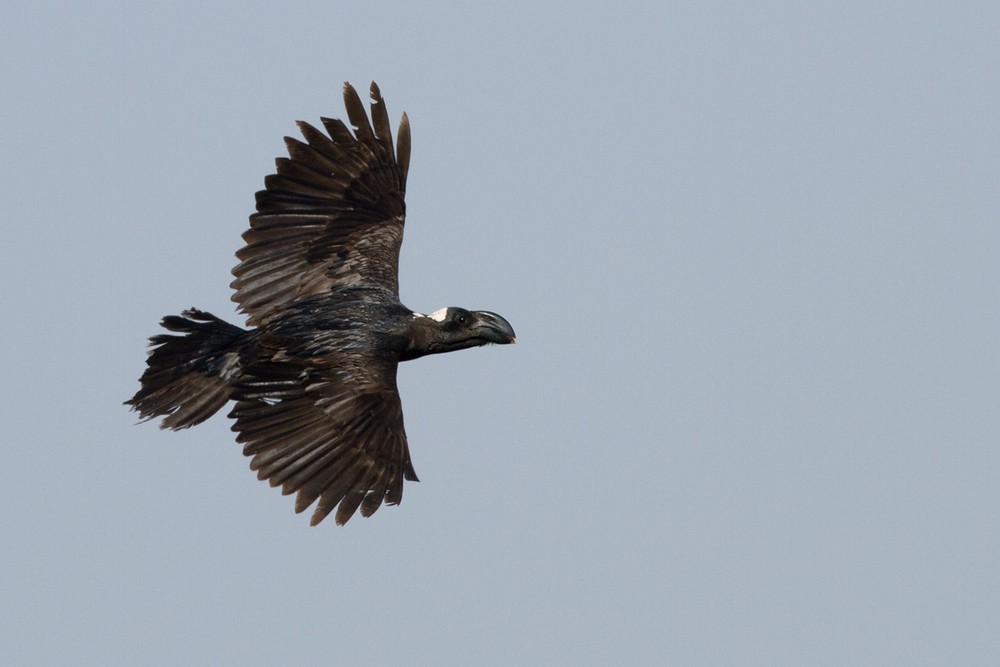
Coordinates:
column 189, row 377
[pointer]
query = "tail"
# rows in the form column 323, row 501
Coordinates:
column 189, row 377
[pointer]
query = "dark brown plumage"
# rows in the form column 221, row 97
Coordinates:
column 314, row 384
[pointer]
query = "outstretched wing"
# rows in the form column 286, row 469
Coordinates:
column 328, row 429
column 331, row 216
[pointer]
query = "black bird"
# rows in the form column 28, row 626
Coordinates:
column 315, row 380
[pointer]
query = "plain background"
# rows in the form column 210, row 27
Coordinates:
column 751, row 254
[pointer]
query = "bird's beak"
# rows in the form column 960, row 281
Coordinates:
column 493, row 328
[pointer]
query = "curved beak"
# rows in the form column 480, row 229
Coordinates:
column 493, row 328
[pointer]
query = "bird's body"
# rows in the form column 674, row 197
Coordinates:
column 314, row 380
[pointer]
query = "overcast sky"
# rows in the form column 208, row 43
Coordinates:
column 751, row 254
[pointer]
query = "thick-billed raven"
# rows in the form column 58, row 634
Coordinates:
column 314, row 379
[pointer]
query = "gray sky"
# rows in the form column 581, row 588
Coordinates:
column 751, row 253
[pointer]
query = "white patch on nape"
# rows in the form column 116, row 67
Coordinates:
column 439, row 315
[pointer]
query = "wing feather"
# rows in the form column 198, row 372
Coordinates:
column 379, row 492
column 358, row 117
column 403, row 147
column 332, row 495
column 380, row 117
column 331, row 216
column 327, row 428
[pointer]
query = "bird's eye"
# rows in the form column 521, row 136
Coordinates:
column 462, row 319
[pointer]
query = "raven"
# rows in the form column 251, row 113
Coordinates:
column 314, row 378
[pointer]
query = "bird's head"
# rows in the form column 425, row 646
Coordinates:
column 453, row 328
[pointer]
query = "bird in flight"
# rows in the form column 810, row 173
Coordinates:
column 313, row 378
